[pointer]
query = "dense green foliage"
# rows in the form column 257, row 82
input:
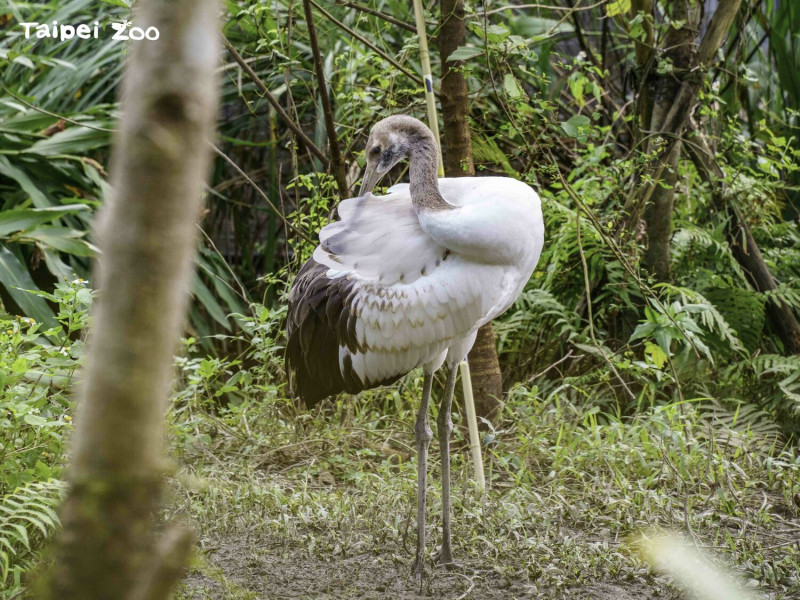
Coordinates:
column 600, row 357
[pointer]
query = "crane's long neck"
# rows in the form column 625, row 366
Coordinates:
column 423, row 167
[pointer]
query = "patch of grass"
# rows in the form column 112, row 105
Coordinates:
column 569, row 487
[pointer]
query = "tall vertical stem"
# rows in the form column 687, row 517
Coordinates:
column 336, row 161
column 425, row 59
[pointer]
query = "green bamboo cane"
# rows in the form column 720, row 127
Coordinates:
column 425, row 59
column 433, row 122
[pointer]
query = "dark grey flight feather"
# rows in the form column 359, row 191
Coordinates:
column 320, row 319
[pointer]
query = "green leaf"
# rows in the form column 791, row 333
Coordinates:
column 464, row 53
column 25, row 218
column 24, row 61
column 20, row 365
column 657, row 355
column 511, row 86
column 22, row 534
column 577, row 85
column 38, row 197
column 209, row 302
column 617, row 7
column 496, row 33
column 577, row 127
column 27, row 122
column 34, row 420
column 63, row 239
column 76, row 140
column 16, row 279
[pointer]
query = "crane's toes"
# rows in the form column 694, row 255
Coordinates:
column 448, row 564
column 418, row 568
column 419, row 573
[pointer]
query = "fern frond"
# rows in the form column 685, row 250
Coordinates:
column 711, row 318
column 27, row 518
column 742, row 418
column 688, row 235
column 788, row 293
column 786, row 370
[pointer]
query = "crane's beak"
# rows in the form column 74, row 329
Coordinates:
column 370, row 179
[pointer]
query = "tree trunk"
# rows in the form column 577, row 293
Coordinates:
column 147, row 233
column 674, row 95
column 744, row 247
column 658, row 216
column 661, row 90
column 487, row 379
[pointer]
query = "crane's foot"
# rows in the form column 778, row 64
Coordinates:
column 445, row 560
column 418, row 572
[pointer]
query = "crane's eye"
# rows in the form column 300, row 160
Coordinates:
column 376, row 150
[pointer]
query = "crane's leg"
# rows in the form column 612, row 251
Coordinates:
column 424, row 437
column 445, row 427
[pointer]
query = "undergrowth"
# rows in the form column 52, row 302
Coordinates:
column 569, row 487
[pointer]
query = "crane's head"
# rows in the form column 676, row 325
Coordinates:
column 390, row 141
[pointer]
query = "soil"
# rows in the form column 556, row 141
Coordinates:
column 271, row 572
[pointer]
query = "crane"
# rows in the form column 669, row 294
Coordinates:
column 405, row 280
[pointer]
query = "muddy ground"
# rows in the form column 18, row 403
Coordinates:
column 260, row 569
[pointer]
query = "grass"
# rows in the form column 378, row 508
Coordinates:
column 278, row 495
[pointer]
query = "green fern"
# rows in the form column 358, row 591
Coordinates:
column 27, row 518
column 690, row 235
column 714, row 316
column 786, row 293
column 533, row 308
column 743, row 310
column 732, row 416
column 785, row 370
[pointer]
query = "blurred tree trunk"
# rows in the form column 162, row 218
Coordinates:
column 147, row 233
column 487, row 379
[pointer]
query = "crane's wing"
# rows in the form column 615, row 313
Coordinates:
column 379, row 298
column 379, row 238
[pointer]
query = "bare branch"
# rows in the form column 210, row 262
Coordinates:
column 336, row 162
column 304, row 139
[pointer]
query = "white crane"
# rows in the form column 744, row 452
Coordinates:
column 405, row 280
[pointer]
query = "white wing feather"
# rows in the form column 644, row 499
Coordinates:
column 414, row 297
column 379, row 238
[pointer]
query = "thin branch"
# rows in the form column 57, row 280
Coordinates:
column 336, row 162
column 588, row 289
column 261, row 192
column 274, row 102
column 543, row 6
column 379, row 14
column 413, row 76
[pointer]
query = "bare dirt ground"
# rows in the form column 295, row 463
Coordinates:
column 259, row 569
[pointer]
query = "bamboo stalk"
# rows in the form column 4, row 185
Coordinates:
column 472, row 424
column 425, row 59
column 433, row 122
